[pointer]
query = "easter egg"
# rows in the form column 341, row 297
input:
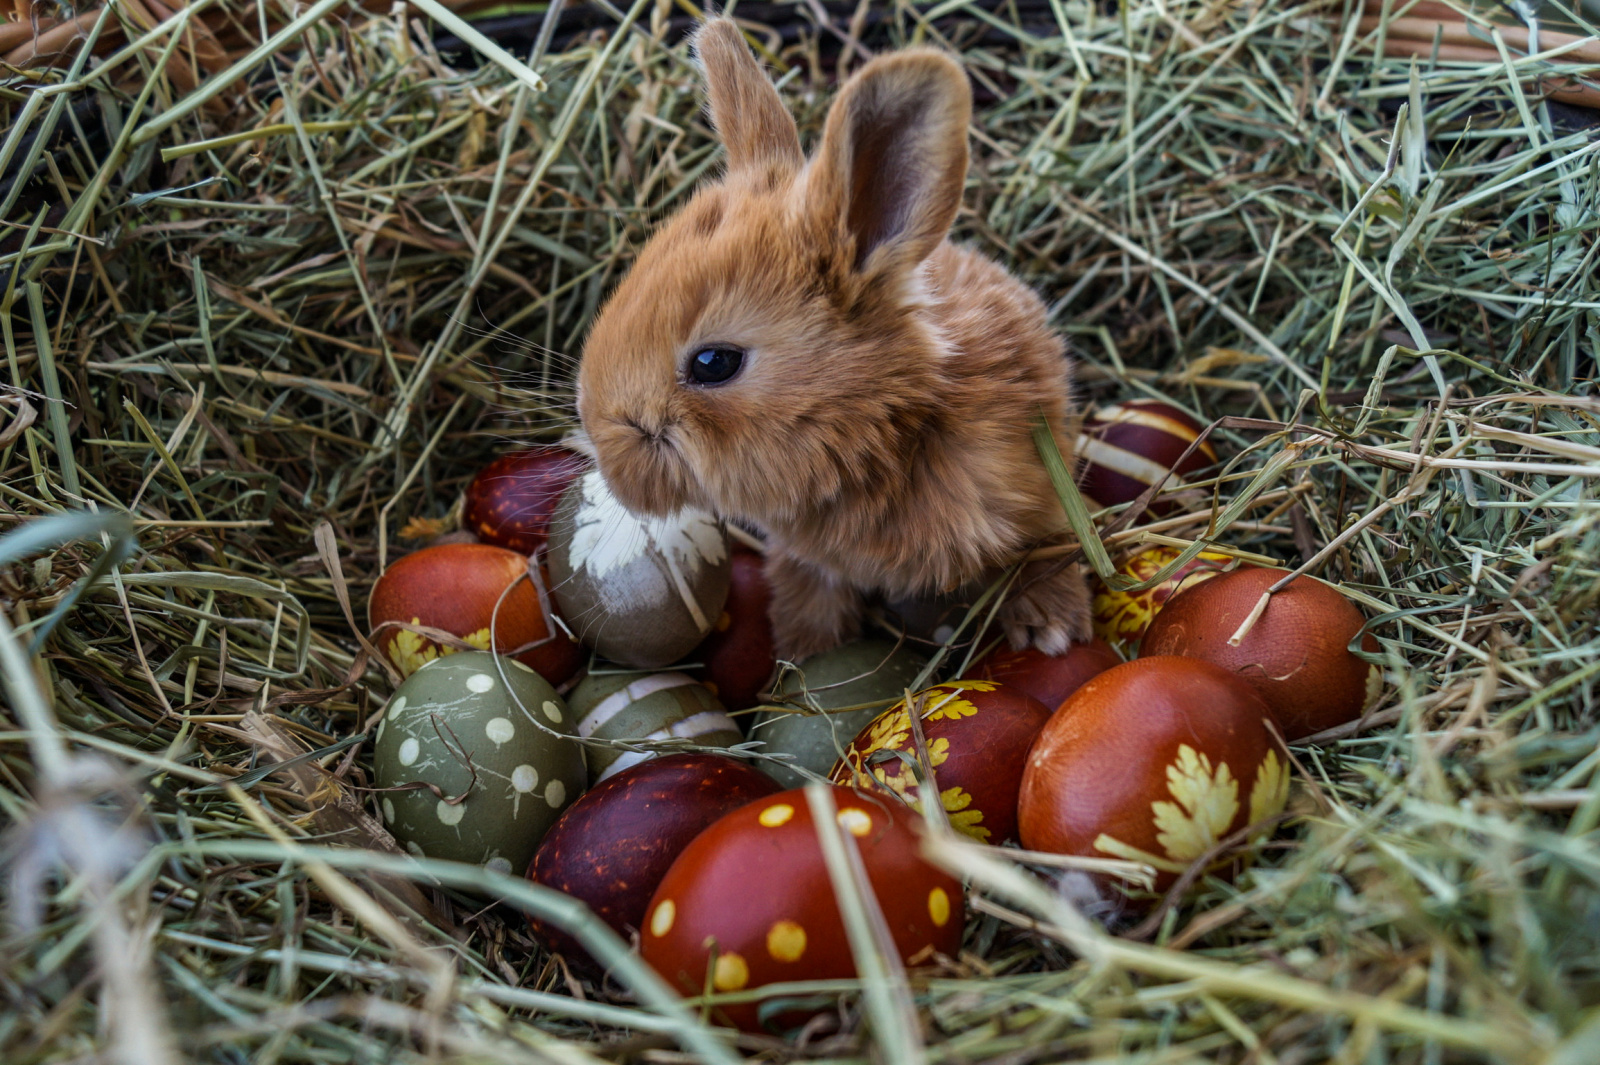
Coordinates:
column 978, row 733
column 511, row 501
column 454, row 588
column 474, row 760
column 1154, row 761
column 1296, row 654
column 827, row 699
column 1048, row 678
column 750, row 902
column 641, row 591
column 1126, row 447
column 612, row 847
column 1121, row 618
column 936, row 619
column 653, row 708
column 737, row 657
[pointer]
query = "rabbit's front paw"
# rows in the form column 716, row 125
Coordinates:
column 1049, row 608
column 811, row 611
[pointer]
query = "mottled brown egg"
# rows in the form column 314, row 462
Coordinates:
column 750, row 902
column 454, row 588
column 1048, row 678
column 736, row 659
column 1296, row 654
column 511, row 501
column 612, row 847
column 978, row 733
column 1155, row 761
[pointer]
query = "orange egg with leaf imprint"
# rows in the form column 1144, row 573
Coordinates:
column 454, row 588
column 1121, row 618
column 1155, row 761
column 977, row 732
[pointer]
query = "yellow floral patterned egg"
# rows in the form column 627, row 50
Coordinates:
column 976, row 734
column 1121, row 618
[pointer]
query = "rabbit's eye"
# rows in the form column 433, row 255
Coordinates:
column 715, row 366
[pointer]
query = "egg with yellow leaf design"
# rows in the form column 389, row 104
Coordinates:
column 1121, row 617
column 454, row 589
column 1155, row 761
column 977, row 734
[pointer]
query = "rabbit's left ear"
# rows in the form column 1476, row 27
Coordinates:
column 893, row 160
column 746, row 110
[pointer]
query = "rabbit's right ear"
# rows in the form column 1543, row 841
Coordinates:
column 746, row 110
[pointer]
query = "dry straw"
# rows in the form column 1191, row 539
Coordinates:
column 270, row 267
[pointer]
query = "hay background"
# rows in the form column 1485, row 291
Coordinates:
column 329, row 291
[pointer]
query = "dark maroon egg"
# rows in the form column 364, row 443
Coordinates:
column 1126, row 447
column 510, row 501
column 611, row 848
column 737, row 656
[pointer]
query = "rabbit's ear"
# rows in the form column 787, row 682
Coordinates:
column 894, row 158
column 746, row 110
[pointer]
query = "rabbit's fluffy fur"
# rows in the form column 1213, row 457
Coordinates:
column 879, row 433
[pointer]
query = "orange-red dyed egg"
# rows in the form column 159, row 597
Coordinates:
column 736, row 658
column 511, row 500
column 1121, row 618
column 978, row 733
column 454, row 588
column 1155, row 761
column 750, row 901
column 611, row 848
column 1048, row 678
column 1296, row 654
column 1126, row 447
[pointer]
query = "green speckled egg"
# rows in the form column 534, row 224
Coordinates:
column 866, row 675
column 454, row 725
column 641, row 591
column 653, row 707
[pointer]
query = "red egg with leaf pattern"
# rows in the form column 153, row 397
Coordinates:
column 511, row 501
column 737, row 660
column 1121, row 617
column 1153, row 761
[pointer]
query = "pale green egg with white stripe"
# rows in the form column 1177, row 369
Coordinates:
column 477, row 758
column 649, row 707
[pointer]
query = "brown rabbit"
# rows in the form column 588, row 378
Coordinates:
column 801, row 349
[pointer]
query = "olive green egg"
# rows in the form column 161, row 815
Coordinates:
column 651, row 707
column 640, row 591
column 498, row 761
column 866, row 675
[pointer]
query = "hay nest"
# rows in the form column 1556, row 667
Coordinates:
column 278, row 279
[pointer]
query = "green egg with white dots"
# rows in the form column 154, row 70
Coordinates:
column 481, row 747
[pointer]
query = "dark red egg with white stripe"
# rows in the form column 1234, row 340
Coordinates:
column 510, row 502
column 1126, row 447
column 611, row 848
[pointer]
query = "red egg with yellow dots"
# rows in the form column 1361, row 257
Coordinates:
column 1048, row 678
column 737, row 658
column 1126, row 447
column 750, row 902
column 1121, row 617
column 977, row 732
column 454, row 588
column 510, row 502
column 613, row 845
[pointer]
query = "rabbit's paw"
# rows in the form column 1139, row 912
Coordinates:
column 1049, row 608
column 811, row 611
